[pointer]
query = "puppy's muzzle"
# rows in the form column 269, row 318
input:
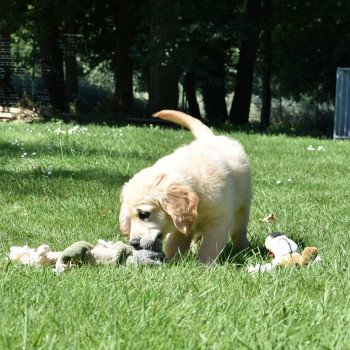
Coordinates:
column 139, row 244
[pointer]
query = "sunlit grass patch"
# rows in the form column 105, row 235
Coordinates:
column 66, row 188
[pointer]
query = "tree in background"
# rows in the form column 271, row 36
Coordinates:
column 164, row 71
column 70, row 42
column 203, row 33
column 189, row 85
column 210, row 48
column 239, row 113
column 266, row 64
column 12, row 14
column 213, row 85
column 311, row 39
column 122, row 60
column 47, row 25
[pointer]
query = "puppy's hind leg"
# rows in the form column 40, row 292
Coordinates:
column 239, row 229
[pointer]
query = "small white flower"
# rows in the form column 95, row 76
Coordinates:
column 310, row 148
column 59, row 131
column 74, row 130
column 278, row 182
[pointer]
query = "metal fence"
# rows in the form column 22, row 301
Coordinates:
column 18, row 83
column 8, row 95
column 342, row 105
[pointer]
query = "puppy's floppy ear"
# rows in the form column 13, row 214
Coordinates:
column 181, row 204
column 124, row 220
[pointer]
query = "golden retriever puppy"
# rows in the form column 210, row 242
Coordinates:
column 201, row 190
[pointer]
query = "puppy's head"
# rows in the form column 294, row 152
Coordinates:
column 154, row 205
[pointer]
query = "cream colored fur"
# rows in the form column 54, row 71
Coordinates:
column 201, row 190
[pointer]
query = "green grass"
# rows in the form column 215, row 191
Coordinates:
column 69, row 190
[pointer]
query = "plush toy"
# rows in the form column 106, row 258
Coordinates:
column 42, row 256
column 145, row 257
column 285, row 253
column 82, row 252
column 103, row 253
column 75, row 255
column 109, row 252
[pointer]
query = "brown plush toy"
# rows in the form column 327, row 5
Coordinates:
column 286, row 253
column 308, row 255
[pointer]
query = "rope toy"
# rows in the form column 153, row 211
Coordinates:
column 82, row 252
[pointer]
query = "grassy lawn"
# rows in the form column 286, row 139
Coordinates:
column 60, row 184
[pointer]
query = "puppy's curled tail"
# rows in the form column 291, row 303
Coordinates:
column 198, row 129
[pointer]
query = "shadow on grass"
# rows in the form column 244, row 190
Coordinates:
column 228, row 255
column 9, row 150
column 309, row 120
column 31, row 182
column 239, row 258
column 317, row 127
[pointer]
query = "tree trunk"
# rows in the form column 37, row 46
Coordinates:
column 190, row 92
column 266, row 82
column 239, row 113
column 123, row 64
column 70, row 60
column 163, row 73
column 164, row 87
column 266, row 68
column 51, row 56
column 213, row 88
column 71, row 74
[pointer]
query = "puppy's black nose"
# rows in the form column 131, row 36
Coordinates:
column 135, row 243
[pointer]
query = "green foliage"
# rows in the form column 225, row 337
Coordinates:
column 13, row 13
column 309, row 40
column 24, row 49
column 60, row 183
column 100, row 76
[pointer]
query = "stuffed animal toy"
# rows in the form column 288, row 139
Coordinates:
column 42, row 256
column 103, row 253
column 109, row 252
column 82, row 252
column 145, row 257
column 286, row 253
column 153, row 257
column 75, row 255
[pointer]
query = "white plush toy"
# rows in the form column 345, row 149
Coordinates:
column 286, row 253
column 107, row 252
column 42, row 256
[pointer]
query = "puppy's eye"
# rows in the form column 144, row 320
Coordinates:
column 143, row 215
